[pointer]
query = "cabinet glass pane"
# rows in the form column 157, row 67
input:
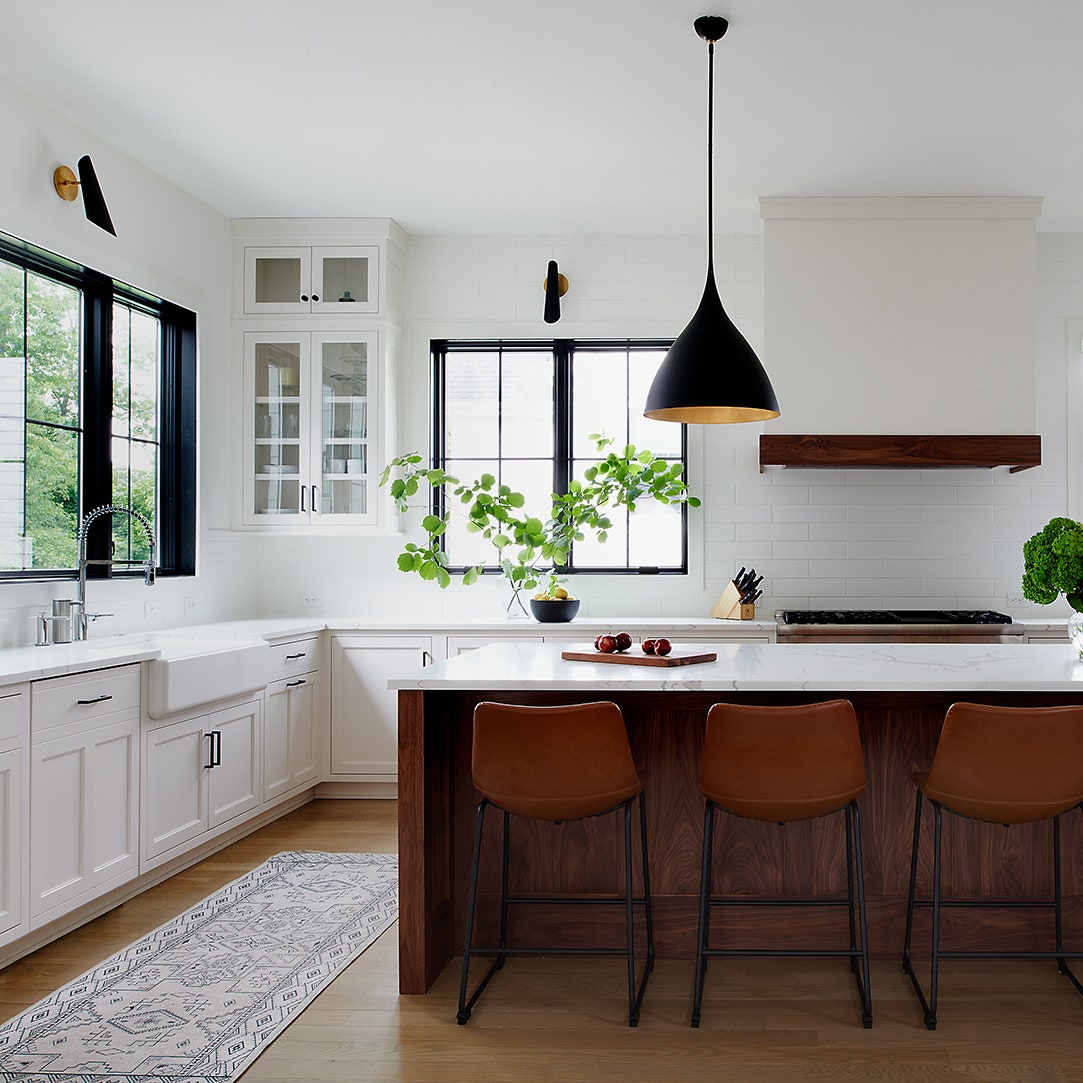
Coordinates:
column 278, row 279
column 344, row 424
column 278, row 369
column 277, row 428
column 345, row 280
column 344, row 496
column 277, row 496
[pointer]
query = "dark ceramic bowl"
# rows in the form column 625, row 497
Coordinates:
column 554, row 612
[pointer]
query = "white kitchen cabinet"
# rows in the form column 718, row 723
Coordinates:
column 14, row 818
column 311, row 427
column 199, row 774
column 84, row 773
column 364, row 712
column 291, row 706
column 299, row 279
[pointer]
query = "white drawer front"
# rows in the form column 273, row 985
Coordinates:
column 289, row 659
column 13, row 706
column 83, row 697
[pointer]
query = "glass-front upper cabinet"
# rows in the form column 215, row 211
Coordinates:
column 300, row 280
column 310, row 428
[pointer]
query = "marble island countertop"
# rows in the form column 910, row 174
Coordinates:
column 757, row 667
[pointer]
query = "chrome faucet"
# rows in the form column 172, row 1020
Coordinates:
column 83, row 618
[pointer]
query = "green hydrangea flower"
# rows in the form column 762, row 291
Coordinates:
column 1053, row 563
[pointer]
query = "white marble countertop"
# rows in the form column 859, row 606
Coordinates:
column 19, row 664
column 767, row 667
column 33, row 663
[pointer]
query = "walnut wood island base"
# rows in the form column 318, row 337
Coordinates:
column 665, row 711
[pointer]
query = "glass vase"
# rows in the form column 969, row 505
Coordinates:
column 516, row 608
column 1075, row 632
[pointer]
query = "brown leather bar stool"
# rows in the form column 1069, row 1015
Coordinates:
column 1003, row 765
column 780, row 764
column 556, row 764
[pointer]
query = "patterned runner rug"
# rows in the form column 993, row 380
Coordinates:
column 197, row 1000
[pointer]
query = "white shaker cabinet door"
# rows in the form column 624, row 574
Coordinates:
column 84, row 817
column 13, row 854
column 289, row 736
column 235, row 786
column 364, row 711
column 176, row 761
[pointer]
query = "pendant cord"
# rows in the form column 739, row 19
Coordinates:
column 710, row 156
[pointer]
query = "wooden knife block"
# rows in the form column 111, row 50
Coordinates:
column 728, row 606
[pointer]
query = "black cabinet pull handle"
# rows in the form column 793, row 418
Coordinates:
column 291, row 657
column 96, row 699
column 303, row 487
column 294, row 684
column 216, row 748
column 210, row 751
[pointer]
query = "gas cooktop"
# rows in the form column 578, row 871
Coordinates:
column 892, row 616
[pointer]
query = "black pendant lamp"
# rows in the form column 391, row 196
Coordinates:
column 710, row 374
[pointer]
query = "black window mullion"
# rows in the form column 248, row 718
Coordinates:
column 96, row 395
column 439, row 446
column 177, row 442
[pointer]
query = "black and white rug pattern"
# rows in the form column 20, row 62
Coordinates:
column 197, row 1000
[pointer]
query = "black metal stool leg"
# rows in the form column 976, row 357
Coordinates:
column 702, row 934
column 504, row 892
column 934, row 974
column 864, row 985
column 1058, row 908
column 646, row 885
column 464, row 1009
column 911, row 903
column 629, row 916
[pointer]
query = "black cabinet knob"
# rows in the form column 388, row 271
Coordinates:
column 315, row 297
column 304, row 296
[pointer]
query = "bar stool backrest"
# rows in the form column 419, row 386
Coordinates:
column 1008, row 765
column 553, row 763
column 782, row 763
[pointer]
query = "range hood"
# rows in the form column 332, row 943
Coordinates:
column 901, row 331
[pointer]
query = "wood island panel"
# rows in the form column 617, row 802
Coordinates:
column 437, row 806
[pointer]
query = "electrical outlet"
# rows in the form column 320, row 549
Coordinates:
column 1014, row 600
column 151, row 609
column 191, row 605
column 312, row 598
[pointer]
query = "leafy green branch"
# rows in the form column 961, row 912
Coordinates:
column 527, row 547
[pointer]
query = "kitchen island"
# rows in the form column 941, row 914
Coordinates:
column 900, row 692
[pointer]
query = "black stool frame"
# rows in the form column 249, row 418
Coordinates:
column 928, row 1005
column 629, row 901
column 855, row 953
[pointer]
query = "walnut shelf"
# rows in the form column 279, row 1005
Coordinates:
column 840, row 451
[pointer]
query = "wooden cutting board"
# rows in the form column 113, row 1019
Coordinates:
column 628, row 658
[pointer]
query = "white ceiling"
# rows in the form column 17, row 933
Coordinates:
column 565, row 116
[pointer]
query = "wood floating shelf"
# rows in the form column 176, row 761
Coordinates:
column 840, row 451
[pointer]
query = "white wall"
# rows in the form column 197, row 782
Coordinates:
column 172, row 245
column 858, row 538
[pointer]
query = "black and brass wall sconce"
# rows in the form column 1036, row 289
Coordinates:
column 555, row 286
column 67, row 187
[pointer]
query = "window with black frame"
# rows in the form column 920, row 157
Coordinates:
column 97, row 406
column 525, row 411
